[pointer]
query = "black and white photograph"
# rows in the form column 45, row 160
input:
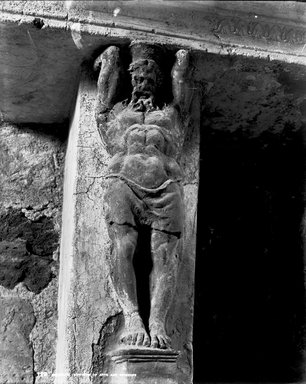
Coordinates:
column 152, row 192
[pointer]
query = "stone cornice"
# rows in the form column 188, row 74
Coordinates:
column 271, row 27
column 262, row 30
column 43, row 43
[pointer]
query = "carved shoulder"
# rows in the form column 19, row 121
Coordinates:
column 112, row 134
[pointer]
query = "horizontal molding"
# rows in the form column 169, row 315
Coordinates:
column 238, row 26
column 216, row 30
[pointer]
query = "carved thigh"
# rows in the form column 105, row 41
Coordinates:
column 120, row 203
column 168, row 210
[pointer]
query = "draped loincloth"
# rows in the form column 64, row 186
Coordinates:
column 161, row 208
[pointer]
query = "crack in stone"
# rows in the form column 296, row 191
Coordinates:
column 107, row 337
column 32, row 348
column 89, row 187
column 8, row 322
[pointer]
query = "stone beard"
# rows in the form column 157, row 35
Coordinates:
column 146, row 80
column 143, row 184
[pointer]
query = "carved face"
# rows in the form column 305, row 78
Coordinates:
column 144, row 83
column 144, row 78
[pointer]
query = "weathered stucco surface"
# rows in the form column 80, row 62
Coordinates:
column 31, row 172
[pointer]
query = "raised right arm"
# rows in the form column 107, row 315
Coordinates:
column 108, row 82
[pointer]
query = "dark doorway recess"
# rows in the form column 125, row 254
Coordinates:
column 249, row 291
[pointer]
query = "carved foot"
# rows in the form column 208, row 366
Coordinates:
column 159, row 338
column 134, row 332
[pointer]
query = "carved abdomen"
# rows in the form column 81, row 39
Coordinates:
column 145, row 161
column 145, row 170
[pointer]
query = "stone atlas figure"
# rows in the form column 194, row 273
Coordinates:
column 144, row 138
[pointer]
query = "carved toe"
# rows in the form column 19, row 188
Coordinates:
column 140, row 338
column 146, row 341
column 154, row 342
column 162, row 343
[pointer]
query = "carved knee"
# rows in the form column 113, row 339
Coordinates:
column 126, row 246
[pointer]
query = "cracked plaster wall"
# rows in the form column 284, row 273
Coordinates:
column 31, row 171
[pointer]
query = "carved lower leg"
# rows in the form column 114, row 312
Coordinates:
column 163, row 283
column 125, row 240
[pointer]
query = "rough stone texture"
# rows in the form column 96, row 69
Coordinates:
column 44, row 333
column 26, row 252
column 31, row 171
column 17, row 321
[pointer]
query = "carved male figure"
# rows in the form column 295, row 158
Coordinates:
column 145, row 139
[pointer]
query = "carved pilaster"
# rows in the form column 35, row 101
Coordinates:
column 103, row 308
column 145, row 210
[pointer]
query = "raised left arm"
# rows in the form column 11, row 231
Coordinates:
column 108, row 81
column 182, row 85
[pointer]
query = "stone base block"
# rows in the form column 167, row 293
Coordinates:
column 142, row 366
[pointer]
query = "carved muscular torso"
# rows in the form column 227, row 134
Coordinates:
column 146, row 155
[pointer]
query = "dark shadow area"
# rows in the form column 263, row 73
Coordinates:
column 57, row 131
column 249, row 292
column 26, row 249
column 143, row 267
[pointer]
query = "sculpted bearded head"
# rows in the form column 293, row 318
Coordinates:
column 146, row 76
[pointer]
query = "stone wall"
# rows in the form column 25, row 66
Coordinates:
column 31, row 173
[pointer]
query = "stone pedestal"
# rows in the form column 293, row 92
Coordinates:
column 142, row 366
